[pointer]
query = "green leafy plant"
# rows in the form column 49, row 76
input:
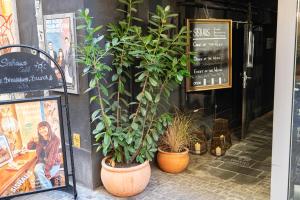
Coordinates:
column 159, row 62
column 178, row 135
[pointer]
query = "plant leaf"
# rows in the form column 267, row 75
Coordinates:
column 148, row 96
column 153, row 82
column 134, row 126
column 157, row 98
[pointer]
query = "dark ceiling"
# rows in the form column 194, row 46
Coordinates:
column 238, row 4
column 259, row 3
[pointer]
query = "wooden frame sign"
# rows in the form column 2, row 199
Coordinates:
column 210, row 41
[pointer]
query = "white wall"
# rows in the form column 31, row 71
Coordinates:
column 286, row 32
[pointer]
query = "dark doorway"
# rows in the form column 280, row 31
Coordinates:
column 244, row 170
column 228, row 103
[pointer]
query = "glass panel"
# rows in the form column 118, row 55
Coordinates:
column 294, row 184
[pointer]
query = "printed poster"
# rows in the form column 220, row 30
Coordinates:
column 9, row 31
column 60, row 42
column 31, row 147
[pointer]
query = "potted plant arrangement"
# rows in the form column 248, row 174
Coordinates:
column 127, row 132
column 173, row 152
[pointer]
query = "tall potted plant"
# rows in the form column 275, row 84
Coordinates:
column 129, row 139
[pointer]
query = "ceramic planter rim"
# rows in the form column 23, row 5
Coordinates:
column 125, row 169
column 173, row 153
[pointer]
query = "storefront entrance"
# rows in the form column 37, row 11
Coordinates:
column 253, row 66
column 244, row 172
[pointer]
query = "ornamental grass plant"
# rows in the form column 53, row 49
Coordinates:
column 177, row 136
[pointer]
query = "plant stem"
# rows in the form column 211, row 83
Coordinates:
column 133, row 157
column 119, row 109
column 102, row 106
column 140, row 103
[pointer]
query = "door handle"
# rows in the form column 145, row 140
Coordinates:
column 245, row 78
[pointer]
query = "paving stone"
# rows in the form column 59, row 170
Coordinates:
column 244, row 179
column 223, row 174
column 216, row 163
column 256, row 142
column 265, row 166
column 260, row 156
column 241, row 170
column 232, row 152
column 265, row 175
column 238, row 160
column 263, row 135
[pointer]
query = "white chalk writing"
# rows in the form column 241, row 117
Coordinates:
column 5, row 62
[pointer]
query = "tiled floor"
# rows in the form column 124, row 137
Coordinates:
column 244, row 173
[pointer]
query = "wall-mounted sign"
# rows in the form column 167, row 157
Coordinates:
column 211, row 67
column 32, row 132
column 76, row 140
column 25, row 72
column 60, row 40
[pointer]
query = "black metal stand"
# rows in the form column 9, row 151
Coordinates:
column 69, row 188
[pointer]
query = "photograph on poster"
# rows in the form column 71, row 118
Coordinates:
column 59, row 42
column 5, row 153
column 31, row 147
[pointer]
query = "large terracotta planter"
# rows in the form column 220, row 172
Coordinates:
column 125, row 182
column 173, row 162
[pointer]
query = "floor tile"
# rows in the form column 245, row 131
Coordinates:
column 244, row 173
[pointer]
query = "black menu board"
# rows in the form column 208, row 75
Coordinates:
column 25, row 72
column 211, row 42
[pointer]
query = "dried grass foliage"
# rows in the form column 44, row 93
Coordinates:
column 177, row 136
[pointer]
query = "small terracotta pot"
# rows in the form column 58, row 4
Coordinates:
column 125, row 182
column 173, row 162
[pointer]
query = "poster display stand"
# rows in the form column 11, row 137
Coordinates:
column 32, row 142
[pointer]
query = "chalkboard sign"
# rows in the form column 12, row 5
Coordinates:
column 211, row 42
column 25, row 72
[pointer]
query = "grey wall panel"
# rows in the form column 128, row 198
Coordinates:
column 59, row 6
column 27, row 22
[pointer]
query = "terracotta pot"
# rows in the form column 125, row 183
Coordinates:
column 125, row 182
column 173, row 162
